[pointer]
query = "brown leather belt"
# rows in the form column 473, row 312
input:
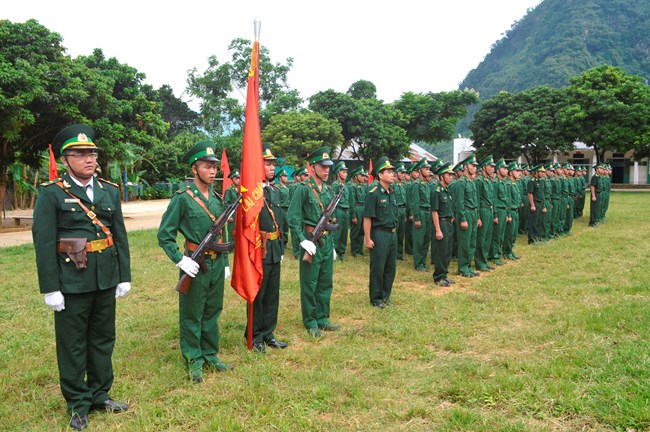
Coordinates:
column 191, row 247
column 310, row 229
column 92, row 246
column 270, row 235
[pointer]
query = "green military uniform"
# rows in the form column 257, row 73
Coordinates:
column 200, row 308
column 466, row 203
column 306, row 208
column 547, row 217
column 285, row 199
column 458, row 168
column 486, row 197
column 295, row 242
column 522, row 183
column 598, row 183
column 501, row 210
column 581, row 185
column 342, row 213
column 556, row 202
column 570, row 197
column 85, row 328
column 442, row 204
column 537, row 193
column 357, row 202
column 512, row 228
column 381, row 209
column 433, row 184
column 607, row 188
column 408, row 234
column 399, row 189
column 420, row 203
column 229, row 197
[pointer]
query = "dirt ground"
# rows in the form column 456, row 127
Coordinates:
column 137, row 215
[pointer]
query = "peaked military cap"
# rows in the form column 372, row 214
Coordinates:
column 444, row 168
column 203, row 150
column 340, row 166
column 320, row 156
column 524, row 166
column 358, row 170
column 488, row 160
column 267, row 154
column 399, row 167
column 77, row 136
column 422, row 163
column 280, row 172
column 513, row 166
column 458, row 167
column 469, row 160
column 234, row 173
column 501, row 163
column 436, row 164
column 382, row 164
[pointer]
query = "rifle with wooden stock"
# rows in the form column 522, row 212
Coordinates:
column 323, row 224
column 209, row 243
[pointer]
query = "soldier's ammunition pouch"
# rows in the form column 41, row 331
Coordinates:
column 75, row 248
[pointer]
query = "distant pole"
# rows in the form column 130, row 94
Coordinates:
column 126, row 188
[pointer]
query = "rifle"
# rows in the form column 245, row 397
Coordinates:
column 323, row 224
column 209, row 243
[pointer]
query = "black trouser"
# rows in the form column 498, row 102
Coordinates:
column 441, row 251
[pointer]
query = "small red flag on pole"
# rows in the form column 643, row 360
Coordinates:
column 225, row 169
column 54, row 169
column 371, row 178
column 247, row 261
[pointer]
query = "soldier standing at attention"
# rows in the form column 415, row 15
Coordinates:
column 357, row 203
column 512, row 228
column 413, row 175
column 458, row 173
column 285, row 199
column 536, row 205
column 467, row 221
column 342, row 213
column 399, row 190
column 299, row 176
column 489, row 220
column 420, row 202
column 229, row 197
column 549, row 172
column 502, row 207
column 596, row 188
column 569, row 171
column 380, row 234
column 192, row 212
column 82, row 256
column 307, row 205
column 434, row 181
column 580, row 192
column 522, row 183
column 442, row 213
column 267, row 301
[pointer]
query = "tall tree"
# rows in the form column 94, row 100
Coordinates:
column 363, row 89
column 220, row 88
column 173, row 110
column 609, row 110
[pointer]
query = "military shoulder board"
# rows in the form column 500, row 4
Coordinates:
column 107, row 182
column 373, row 189
column 51, row 182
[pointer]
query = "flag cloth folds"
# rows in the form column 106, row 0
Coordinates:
column 54, row 169
column 225, row 169
column 371, row 178
column 247, row 262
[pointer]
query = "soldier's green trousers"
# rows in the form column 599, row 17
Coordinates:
column 484, row 238
column 535, row 223
column 198, row 313
column 467, row 243
column 266, row 304
column 595, row 208
column 84, row 348
column 316, row 285
column 408, row 236
column 545, row 230
column 499, row 234
column 562, row 215
column 382, row 266
column 340, row 236
column 356, row 233
column 401, row 232
column 421, row 239
column 442, row 250
column 568, row 222
column 511, row 234
column 555, row 218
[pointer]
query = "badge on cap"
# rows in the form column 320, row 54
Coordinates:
column 82, row 137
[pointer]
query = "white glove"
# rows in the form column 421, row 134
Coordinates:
column 55, row 301
column 281, row 258
column 189, row 266
column 309, row 247
column 334, row 253
column 226, row 273
column 122, row 289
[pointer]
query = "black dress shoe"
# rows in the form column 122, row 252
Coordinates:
column 111, row 406
column 259, row 348
column 79, row 422
column 379, row 305
column 274, row 343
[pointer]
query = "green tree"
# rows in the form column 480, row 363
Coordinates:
column 174, row 111
column 221, row 89
column 293, row 135
column 609, row 110
column 363, row 89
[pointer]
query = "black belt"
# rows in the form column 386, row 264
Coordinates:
column 445, row 219
column 390, row 230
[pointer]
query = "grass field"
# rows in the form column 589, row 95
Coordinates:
column 557, row 341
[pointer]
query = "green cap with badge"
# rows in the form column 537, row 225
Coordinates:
column 469, row 160
column 444, row 168
column 382, row 164
column 436, row 164
column 234, row 173
column 204, row 150
column 399, row 167
column 513, row 166
column 422, row 163
column 77, row 136
column 458, row 167
column 488, row 160
column 340, row 166
column 358, row 170
column 280, row 172
column 320, row 156
column 501, row 163
column 267, row 154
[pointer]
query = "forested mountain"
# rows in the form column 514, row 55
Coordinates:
column 562, row 38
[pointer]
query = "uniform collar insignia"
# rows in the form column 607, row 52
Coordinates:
column 66, row 184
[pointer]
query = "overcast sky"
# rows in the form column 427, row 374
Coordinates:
column 408, row 45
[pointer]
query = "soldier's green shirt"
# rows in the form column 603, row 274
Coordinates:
column 269, row 217
column 230, row 195
column 307, row 206
column 502, row 194
column 58, row 215
column 400, row 193
column 420, row 200
column 486, row 192
column 285, row 199
column 381, row 207
column 536, row 188
column 442, row 202
column 344, row 203
column 515, row 193
column 556, row 188
column 465, row 198
column 186, row 216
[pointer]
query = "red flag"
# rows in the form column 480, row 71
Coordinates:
column 371, row 178
column 54, row 169
column 225, row 169
column 247, row 262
